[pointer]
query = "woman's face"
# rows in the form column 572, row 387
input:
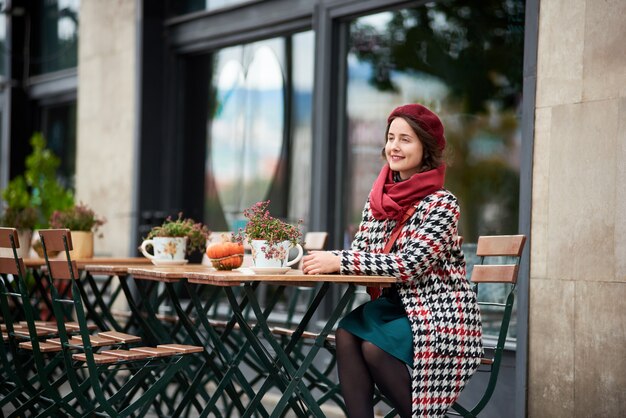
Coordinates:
column 403, row 150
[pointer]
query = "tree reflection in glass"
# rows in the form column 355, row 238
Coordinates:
column 246, row 132
column 463, row 61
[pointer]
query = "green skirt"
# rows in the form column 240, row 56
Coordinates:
column 384, row 323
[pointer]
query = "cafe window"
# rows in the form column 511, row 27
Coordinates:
column 179, row 7
column 54, row 34
column 465, row 63
column 259, row 130
column 58, row 124
column 3, row 41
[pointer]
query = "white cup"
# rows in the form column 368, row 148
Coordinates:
column 275, row 255
column 165, row 248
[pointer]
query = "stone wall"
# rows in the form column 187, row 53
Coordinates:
column 107, row 114
column 577, row 329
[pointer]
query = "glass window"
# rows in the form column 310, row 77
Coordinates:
column 259, row 112
column 3, row 39
column 59, row 129
column 179, row 7
column 464, row 62
column 55, row 36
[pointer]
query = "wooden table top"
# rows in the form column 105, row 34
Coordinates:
column 101, row 261
column 200, row 274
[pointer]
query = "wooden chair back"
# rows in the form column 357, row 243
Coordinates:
column 315, row 240
column 59, row 240
column 9, row 238
column 496, row 246
column 493, row 272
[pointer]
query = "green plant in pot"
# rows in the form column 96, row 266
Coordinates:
column 174, row 239
column 83, row 223
column 23, row 219
column 31, row 198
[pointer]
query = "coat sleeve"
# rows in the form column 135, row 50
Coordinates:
column 361, row 238
column 423, row 242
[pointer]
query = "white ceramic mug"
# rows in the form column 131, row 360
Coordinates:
column 276, row 255
column 165, row 248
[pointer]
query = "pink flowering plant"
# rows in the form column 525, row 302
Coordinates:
column 77, row 218
column 197, row 234
column 262, row 226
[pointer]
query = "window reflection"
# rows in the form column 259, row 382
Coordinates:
column 3, row 38
column 55, row 35
column 247, row 128
column 59, row 129
column 464, row 62
column 301, row 124
column 189, row 6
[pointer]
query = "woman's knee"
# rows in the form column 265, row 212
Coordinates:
column 372, row 353
column 343, row 336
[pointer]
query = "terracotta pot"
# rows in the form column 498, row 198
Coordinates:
column 82, row 242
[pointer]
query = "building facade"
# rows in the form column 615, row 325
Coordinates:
column 206, row 107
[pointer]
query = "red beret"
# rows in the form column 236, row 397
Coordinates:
column 424, row 117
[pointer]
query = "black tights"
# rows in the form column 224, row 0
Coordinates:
column 360, row 365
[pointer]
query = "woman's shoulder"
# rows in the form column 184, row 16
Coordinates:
column 441, row 196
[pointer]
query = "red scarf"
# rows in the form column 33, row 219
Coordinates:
column 390, row 200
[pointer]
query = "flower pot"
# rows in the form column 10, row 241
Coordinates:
column 82, row 241
column 274, row 255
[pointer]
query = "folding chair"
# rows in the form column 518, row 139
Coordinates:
column 33, row 375
column 113, row 382
column 492, row 272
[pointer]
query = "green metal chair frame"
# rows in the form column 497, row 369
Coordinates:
column 37, row 376
column 509, row 246
column 102, row 389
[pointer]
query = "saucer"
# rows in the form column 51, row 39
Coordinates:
column 159, row 262
column 270, row 270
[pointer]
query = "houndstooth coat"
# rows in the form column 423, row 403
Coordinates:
column 441, row 306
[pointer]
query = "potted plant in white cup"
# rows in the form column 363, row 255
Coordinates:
column 270, row 240
column 174, row 239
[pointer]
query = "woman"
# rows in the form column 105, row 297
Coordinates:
column 421, row 341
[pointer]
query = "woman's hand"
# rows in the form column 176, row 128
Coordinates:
column 320, row 262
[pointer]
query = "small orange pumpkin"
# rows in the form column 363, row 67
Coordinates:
column 225, row 255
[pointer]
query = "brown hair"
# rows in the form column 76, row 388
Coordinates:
column 433, row 154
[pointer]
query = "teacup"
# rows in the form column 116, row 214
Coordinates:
column 275, row 255
column 165, row 248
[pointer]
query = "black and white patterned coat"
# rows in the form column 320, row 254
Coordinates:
column 441, row 306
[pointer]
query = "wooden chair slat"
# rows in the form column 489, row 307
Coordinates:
column 155, row 351
column 98, row 358
column 59, row 269
column 74, row 326
column 95, row 340
column 126, row 354
column 500, row 245
column 8, row 266
column 120, row 336
column 315, row 240
column 5, row 240
column 53, row 238
column 44, row 347
column 182, row 348
column 495, row 273
column 40, row 332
